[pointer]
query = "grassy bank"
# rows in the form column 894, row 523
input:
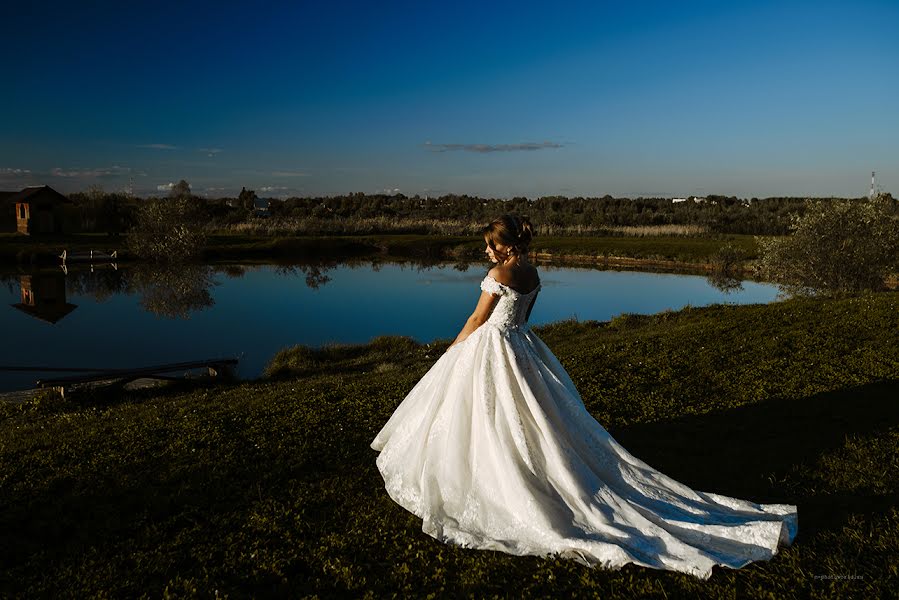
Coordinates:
column 695, row 251
column 269, row 488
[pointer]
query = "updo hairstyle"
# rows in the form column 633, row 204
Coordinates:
column 510, row 230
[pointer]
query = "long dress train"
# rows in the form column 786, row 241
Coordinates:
column 493, row 449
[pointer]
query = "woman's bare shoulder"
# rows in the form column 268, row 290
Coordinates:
column 500, row 273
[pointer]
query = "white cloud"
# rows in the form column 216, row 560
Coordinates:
column 211, row 152
column 165, row 187
column 486, row 148
column 158, row 146
column 273, row 188
column 57, row 172
column 103, row 172
column 289, row 174
column 12, row 171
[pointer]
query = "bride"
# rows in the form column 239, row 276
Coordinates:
column 493, row 449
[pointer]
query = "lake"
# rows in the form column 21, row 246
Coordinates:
column 120, row 318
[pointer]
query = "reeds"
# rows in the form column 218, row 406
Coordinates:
column 449, row 227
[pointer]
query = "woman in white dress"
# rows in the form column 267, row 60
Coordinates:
column 493, row 449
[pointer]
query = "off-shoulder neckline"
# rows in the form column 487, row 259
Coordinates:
column 491, row 278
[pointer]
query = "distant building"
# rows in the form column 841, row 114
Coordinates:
column 39, row 210
column 700, row 200
column 676, row 200
column 260, row 205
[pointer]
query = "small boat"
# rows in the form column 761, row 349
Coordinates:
column 91, row 256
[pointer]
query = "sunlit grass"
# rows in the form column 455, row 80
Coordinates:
column 292, row 226
column 697, row 250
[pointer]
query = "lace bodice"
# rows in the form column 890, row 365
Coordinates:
column 511, row 309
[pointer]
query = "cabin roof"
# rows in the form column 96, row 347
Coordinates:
column 29, row 193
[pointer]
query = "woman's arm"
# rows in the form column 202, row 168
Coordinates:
column 478, row 317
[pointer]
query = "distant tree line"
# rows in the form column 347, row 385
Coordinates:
column 114, row 213
column 719, row 214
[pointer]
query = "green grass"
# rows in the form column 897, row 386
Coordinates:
column 699, row 249
column 269, row 488
column 239, row 246
column 15, row 248
column 682, row 249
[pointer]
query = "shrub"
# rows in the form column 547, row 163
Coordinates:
column 727, row 259
column 167, row 230
column 837, row 247
column 726, row 263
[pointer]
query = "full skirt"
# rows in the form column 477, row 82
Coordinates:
column 493, row 449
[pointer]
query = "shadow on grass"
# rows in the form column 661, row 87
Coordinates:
column 110, row 395
column 748, row 452
column 180, row 511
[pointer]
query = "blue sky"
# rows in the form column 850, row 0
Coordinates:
column 491, row 98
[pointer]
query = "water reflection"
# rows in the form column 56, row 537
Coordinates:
column 43, row 296
column 97, row 283
column 233, row 271
column 135, row 316
column 170, row 291
column 724, row 282
column 173, row 291
column 182, row 290
column 316, row 275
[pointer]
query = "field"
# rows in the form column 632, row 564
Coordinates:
column 269, row 488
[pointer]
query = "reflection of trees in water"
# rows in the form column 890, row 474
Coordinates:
column 316, row 274
column 99, row 284
column 177, row 290
column 11, row 281
column 724, row 282
column 232, row 271
column 173, row 291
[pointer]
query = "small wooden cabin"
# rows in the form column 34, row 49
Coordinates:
column 40, row 210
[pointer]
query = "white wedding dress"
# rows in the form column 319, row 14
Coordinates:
column 493, row 449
